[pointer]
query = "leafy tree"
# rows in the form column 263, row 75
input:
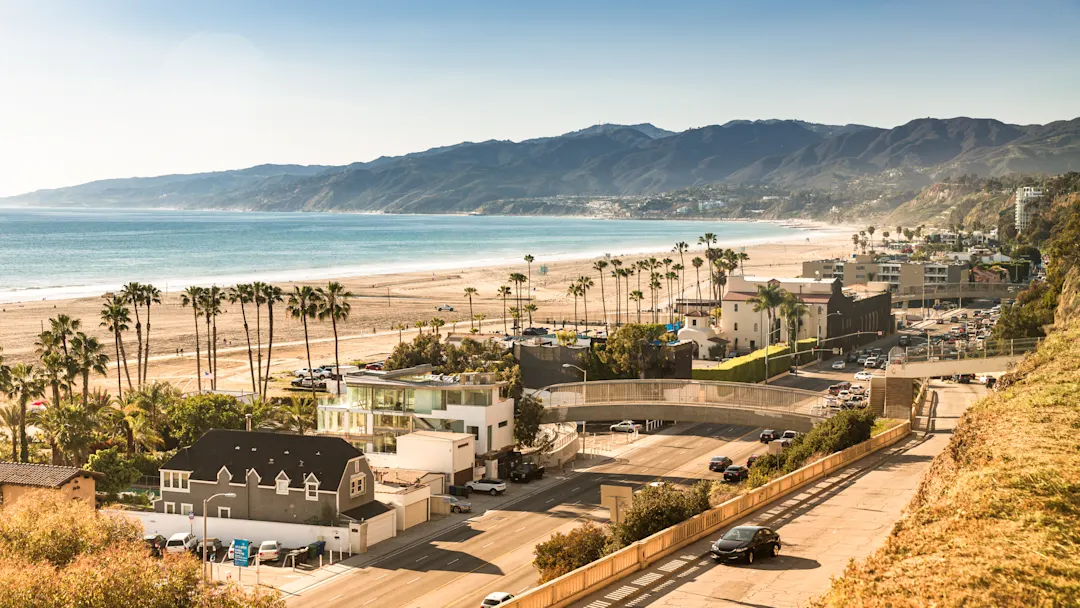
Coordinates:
column 1032, row 312
column 424, row 348
column 528, row 413
column 657, row 508
column 192, row 416
column 631, row 351
column 564, row 553
column 119, row 470
column 832, row 435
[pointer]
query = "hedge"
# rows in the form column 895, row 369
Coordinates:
column 751, row 368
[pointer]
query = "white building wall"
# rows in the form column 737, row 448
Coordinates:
column 225, row 529
column 421, row 453
column 481, row 417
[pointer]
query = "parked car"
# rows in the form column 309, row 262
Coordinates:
column 626, row 426
column 839, row 386
column 156, row 543
column 963, row 315
column 491, row 486
column 269, row 551
column 789, row 435
column 954, row 319
column 719, row 463
column 768, row 435
column 459, row 506
column 444, row 308
column 181, row 542
column 736, row 473
column 857, row 389
column 213, row 546
column 496, row 598
column 752, row 459
column 377, row 366
column 839, row 365
column 746, row 543
column 963, row 378
column 527, row 473
column 870, row 363
column 535, row 331
column 306, row 383
column 863, row 375
column 905, row 340
column 939, row 321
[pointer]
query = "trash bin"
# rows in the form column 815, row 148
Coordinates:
column 316, row 549
column 460, row 491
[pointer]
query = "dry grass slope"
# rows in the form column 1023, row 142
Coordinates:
column 996, row 521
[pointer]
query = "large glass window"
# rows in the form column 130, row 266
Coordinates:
column 390, row 421
column 427, row 401
column 357, row 422
column 475, row 397
column 385, row 443
column 359, row 396
column 453, row 397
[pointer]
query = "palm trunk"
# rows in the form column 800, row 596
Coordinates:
column 471, row 320
column 247, row 335
column 638, row 301
column 269, row 345
column 214, row 379
column 697, row 273
column 504, row 315
column 209, row 353
column 119, row 378
column 85, row 386
column 129, row 437
column 307, row 347
column 258, row 342
column 123, row 353
column 603, row 300
column 56, row 393
column 198, row 355
column 14, row 444
column 576, row 326
column 138, row 338
column 585, row 303
column 530, row 293
column 146, row 346
column 337, row 361
column 24, row 450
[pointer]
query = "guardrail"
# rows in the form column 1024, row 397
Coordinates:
column 958, row 290
column 574, row 585
column 988, row 349
column 683, row 392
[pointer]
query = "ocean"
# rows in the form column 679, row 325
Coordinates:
column 64, row 253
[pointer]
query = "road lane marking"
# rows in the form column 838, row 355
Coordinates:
column 452, row 561
column 343, row 595
column 422, row 557
column 520, row 529
column 488, row 545
column 550, row 501
column 369, row 601
column 575, row 489
column 383, row 576
column 519, row 590
column 413, row 581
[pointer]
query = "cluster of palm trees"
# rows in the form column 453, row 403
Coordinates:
column 778, row 303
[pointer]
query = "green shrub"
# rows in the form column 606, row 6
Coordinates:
column 563, row 553
column 751, row 368
column 657, row 508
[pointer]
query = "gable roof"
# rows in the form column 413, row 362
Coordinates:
column 366, row 511
column 268, row 454
column 40, row 475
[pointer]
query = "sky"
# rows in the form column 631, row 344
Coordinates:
column 94, row 89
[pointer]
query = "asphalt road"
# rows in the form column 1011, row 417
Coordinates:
column 494, row 551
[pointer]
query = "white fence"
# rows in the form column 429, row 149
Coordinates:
column 225, row 529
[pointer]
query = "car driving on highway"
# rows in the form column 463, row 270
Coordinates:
column 736, row 473
column 768, row 435
column 626, row 426
column 863, row 375
column 746, row 543
column 495, row 599
column 719, row 463
column 839, row 364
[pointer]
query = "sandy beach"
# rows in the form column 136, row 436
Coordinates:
column 382, row 302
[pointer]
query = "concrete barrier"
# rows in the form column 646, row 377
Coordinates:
column 575, row 585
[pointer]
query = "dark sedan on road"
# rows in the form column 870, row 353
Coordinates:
column 746, row 543
column 719, row 463
column 768, row 435
column 752, row 459
column 736, row 473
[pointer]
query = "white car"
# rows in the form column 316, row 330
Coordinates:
column 317, row 372
column 495, row 599
column 491, row 486
column 870, row 363
column 626, row 426
column 444, row 308
column 863, row 375
column 839, row 365
column 269, row 551
column 181, row 542
column 857, row 389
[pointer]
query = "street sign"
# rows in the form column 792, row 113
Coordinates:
column 880, row 333
column 190, row 515
column 836, row 351
column 240, row 552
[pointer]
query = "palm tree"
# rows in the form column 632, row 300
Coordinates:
column 628, row 272
column 304, row 304
column 334, row 305
column 88, row 356
column 768, row 299
column 420, row 325
column 480, row 318
column 708, row 239
column 192, row 297
column 637, row 297
column 63, row 328
column 697, row 263
column 515, row 314
column 54, row 371
column 681, row 248
column 529, row 259
column 504, row 292
column 244, row 294
column 855, row 242
column 153, row 399
column 742, row 257
column 574, row 290
column 617, row 274
column 296, row 416
column 400, row 327
column 272, row 294
column 672, row 276
column 150, row 295
column 586, row 284
column 870, row 230
column 436, row 323
column 132, row 421
column 469, row 293
column 132, row 293
column 654, row 286
column 9, row 418
column 211, row 307
column 25, row 385
column 517, row 279
column 257, row 297
column 599, row 267
column 792, row 310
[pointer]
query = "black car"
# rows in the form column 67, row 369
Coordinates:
column 526, row 474
column 535, row 331
column 156, row 543
column 736, row 473
column 752, row 459
column 768, row 435
column 964, row 378
column 719, row 463
column 746, row 543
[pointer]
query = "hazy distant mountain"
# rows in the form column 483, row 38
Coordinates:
column 609, row 160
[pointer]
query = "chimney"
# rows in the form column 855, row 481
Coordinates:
column 247, row 422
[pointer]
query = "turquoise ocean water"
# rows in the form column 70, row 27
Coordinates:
column 57, row 253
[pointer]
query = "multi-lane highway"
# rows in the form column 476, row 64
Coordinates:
column 494, row 550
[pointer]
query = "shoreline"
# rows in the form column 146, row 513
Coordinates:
column 806, row 229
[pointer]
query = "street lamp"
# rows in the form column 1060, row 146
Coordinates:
column 206, row 502
column 585, row 380
column 584, row 373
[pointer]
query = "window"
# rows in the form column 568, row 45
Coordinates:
column 185, row 508
column 356, row 485
column 736, row 308
column 170, row 507
column 736, row 327
column 693, row 322
column 819, row 310
column 475, row 430
column 311, row 490
column 755, row 327
column 502, row 425
column 281, row 486
column 175, row 480
column 225, row 512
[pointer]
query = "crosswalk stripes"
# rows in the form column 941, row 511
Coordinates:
column 598, row 604
column 689, row 571
column 647, row 579
column 673, row 565
column 620, row 593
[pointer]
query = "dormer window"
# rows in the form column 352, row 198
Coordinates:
column 281, row 486
column 311, row 490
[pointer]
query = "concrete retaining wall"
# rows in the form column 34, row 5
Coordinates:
column 688, row 413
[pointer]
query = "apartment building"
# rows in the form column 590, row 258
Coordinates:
column 380, row 406
column 902, row 276
column 1022, row 207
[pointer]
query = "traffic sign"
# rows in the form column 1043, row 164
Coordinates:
column 836, row 351
column 241, row 552
column 880, row 333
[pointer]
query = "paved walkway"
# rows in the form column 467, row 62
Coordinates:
column 846, row 516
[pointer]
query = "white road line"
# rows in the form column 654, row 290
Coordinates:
column 369, row 601
column 520, row 529
column 383, row 576
column 450, row 562
column 422, row 557
column 343, row 595
column 520, row 591
column 572, row 490
column 550, row 501
column 413, row 581
column 487, row 545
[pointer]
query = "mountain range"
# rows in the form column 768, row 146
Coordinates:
column 607, row 159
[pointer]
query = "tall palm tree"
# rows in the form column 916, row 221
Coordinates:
column 132, row 421
column 63, row 328
column 504, row 292
column 304, row 304
column 153, row 399
column 696, row 263
column 708, row 239
column 193, row 297
column 132, row 294
column 792, row 310
column 586, row 284
column 272, row 294
column 436, row 323
column 655, row 285
column 628, row 272
column 768, row 299
column 529, row 259
column 245, row 294
column 681, row 248
column 25, row 385
column 54, row 372
column 257, row 298
column 334, row 305
column 617, row 274
column 855, row 242
column 480, row 318
column 599, row 267
column 469, row 293
column 870, row 230
column 637, row 297
column 88, row 356
column 517, row 279
column 150, row 295
column 9, row 418
column 211, row 308
column 115, row 318
column 400, row 327
column 672, row 278
column 743, row 257
column 574, row 290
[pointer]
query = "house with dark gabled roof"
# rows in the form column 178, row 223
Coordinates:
column 275, row 476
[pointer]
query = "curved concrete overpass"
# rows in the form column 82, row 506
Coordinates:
column 689, row 400
column 957, row 291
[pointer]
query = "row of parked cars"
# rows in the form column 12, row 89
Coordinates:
column 186, row 542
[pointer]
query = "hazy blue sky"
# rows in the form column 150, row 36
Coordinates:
column 95, row 89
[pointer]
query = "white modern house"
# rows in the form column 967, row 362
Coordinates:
column 379, row 407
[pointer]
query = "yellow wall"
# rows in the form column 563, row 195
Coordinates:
column 80, row 488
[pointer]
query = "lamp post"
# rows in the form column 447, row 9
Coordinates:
column 584, row 372
column 206, row 502
column 584, row 380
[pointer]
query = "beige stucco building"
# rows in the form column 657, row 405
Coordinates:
column 18, row 478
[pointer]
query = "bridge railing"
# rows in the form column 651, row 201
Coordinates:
column 956, row 290
column 684, row 392
column 988, row 349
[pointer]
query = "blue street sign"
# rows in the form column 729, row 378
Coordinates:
column 240, row 552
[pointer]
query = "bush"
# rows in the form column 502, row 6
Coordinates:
column 657, row 508
column 119, row 470
column 563, row 553
column 840, row 432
